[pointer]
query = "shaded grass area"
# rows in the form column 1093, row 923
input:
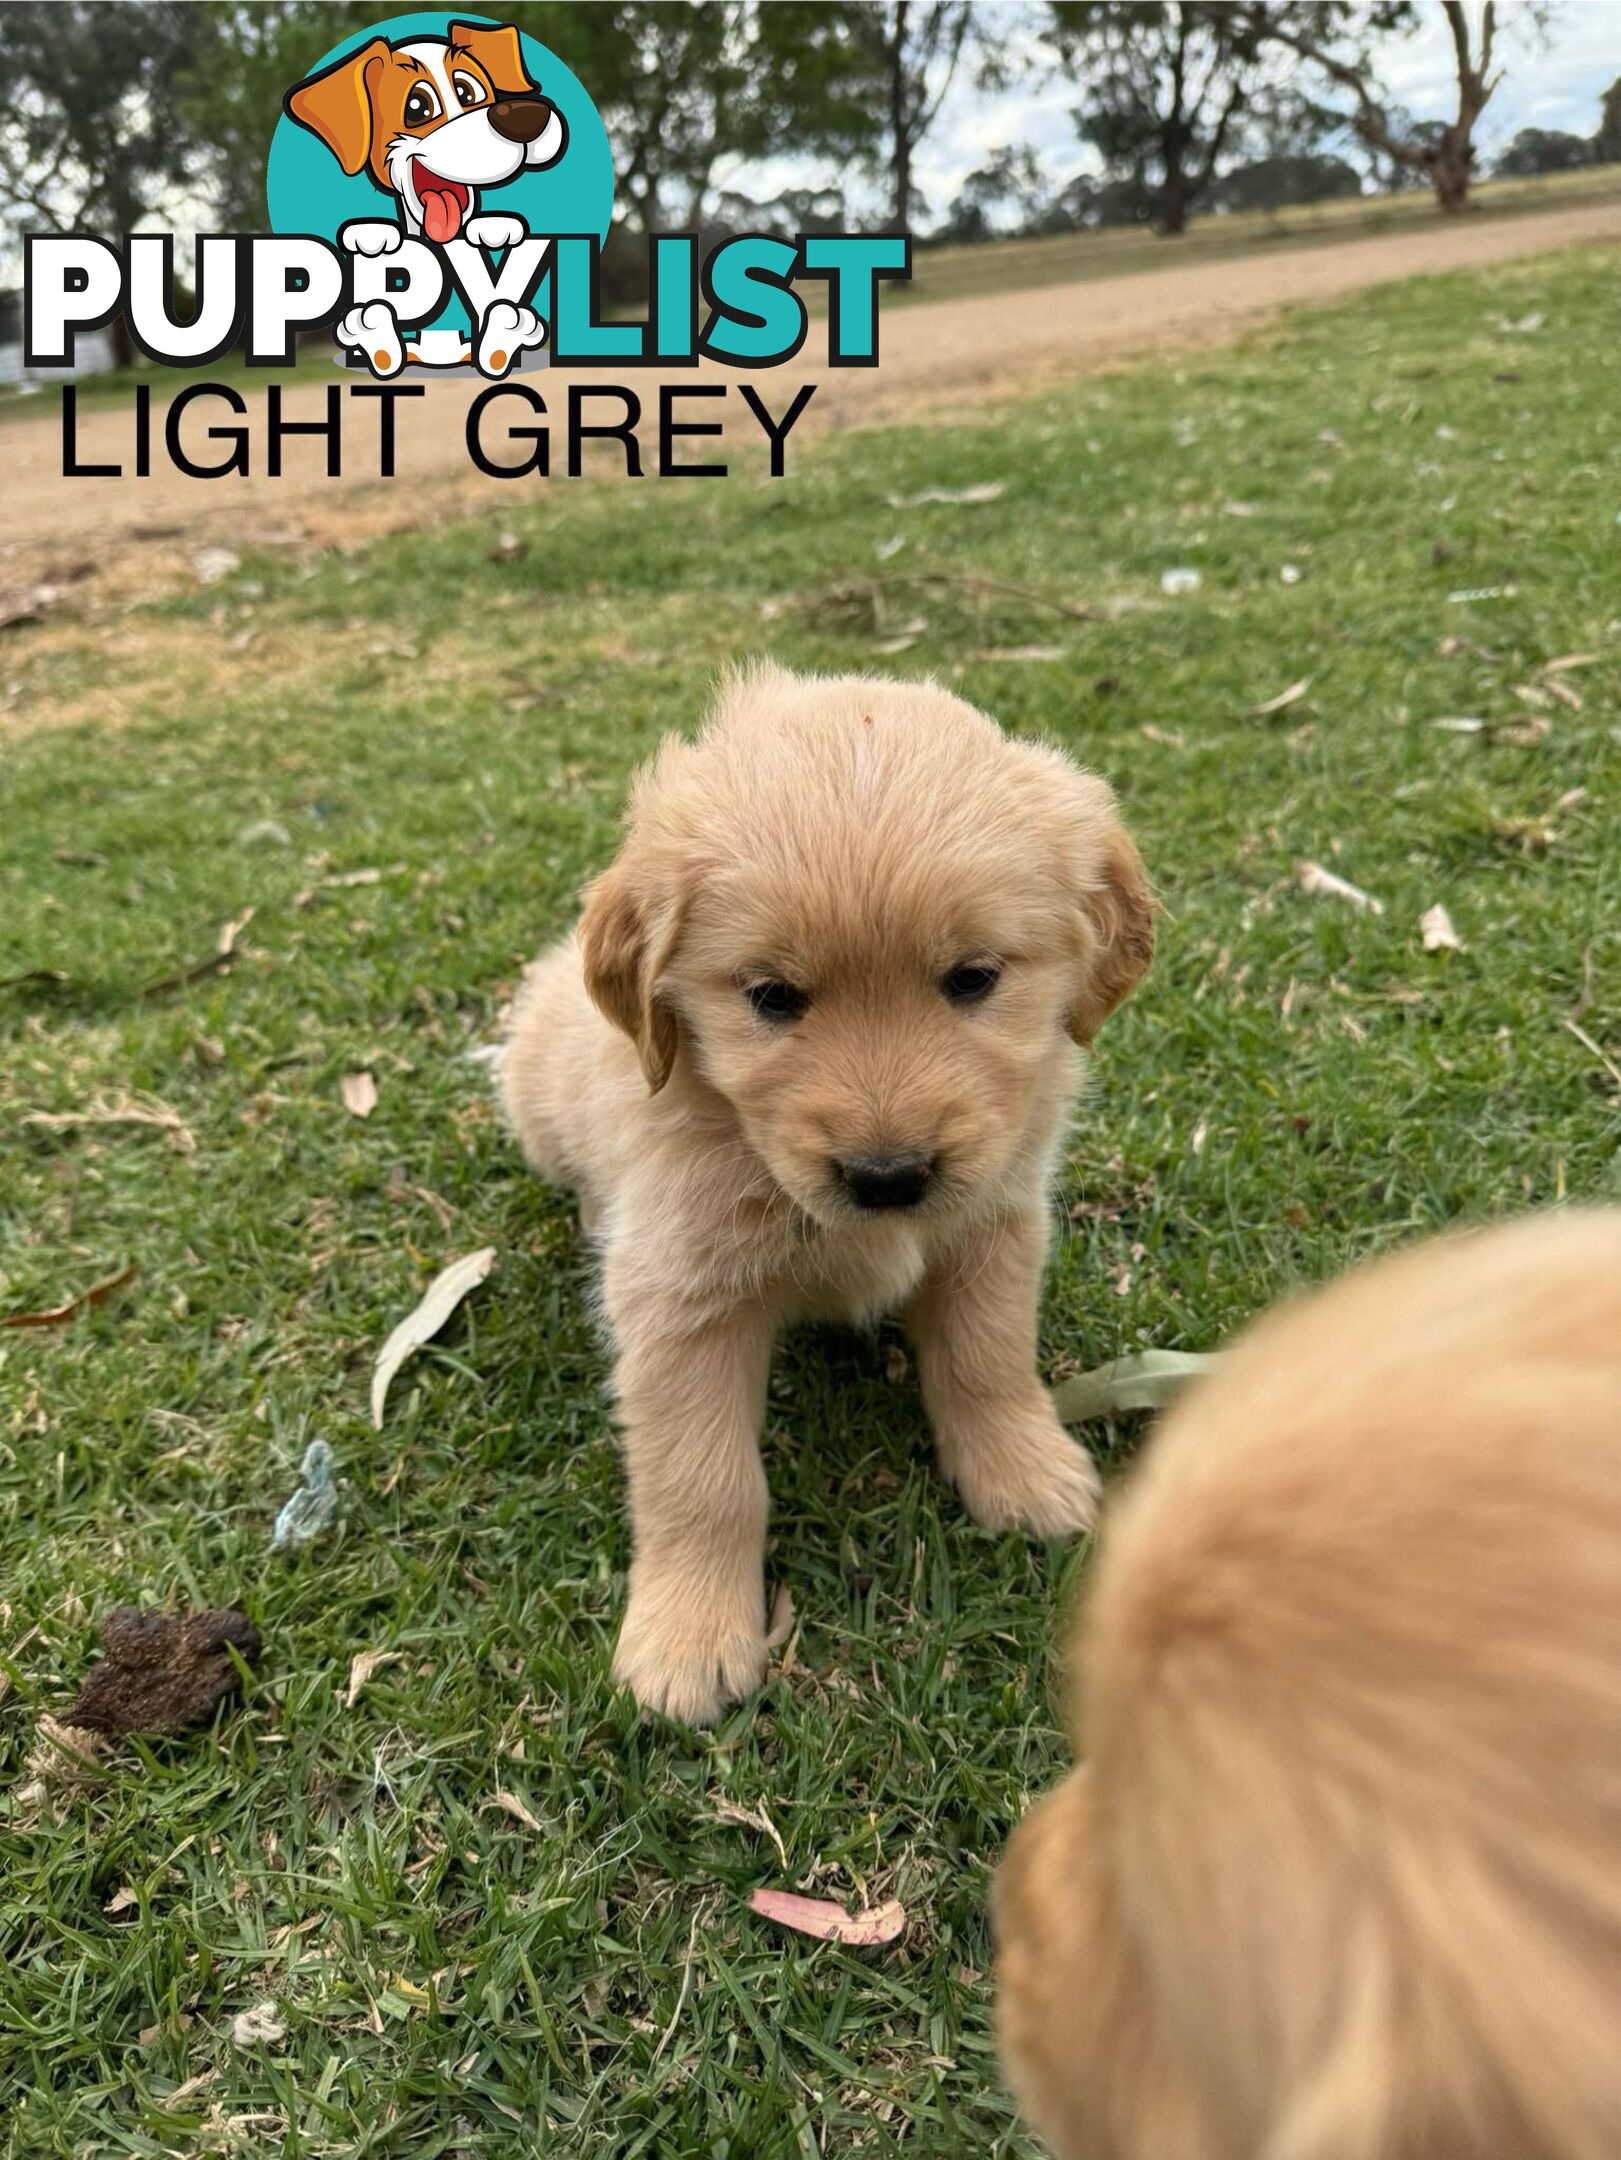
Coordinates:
column 1297, row 1085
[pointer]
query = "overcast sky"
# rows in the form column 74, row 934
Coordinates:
column 1554, row 82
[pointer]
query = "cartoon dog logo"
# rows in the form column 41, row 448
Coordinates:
column 434, row 121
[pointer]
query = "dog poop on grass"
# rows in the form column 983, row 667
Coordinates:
column 162, row 1672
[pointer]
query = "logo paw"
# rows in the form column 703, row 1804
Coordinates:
column 374, row 332
column 505, row 332
column 370, row 236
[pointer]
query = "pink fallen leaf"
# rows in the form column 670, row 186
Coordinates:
column 828, row 1922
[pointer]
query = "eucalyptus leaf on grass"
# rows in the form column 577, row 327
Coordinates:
column 1146, row 1380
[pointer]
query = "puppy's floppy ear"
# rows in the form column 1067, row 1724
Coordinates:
column 499, row 52
column 337, row 105
column 627, row 938
column 1119, row 912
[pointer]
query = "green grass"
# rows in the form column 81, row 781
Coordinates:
column 1296, row 1086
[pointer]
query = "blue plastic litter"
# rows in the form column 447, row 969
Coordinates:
column 314, row 1507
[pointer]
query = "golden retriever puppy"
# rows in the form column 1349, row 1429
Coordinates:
column 1341, row 1876
column 811, row 1053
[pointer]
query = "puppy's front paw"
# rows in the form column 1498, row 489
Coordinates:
column 689, row 1645
column 1025, row 1473
column 373, row 330
column 506, row 330
column 370, row 236
column 495, row 229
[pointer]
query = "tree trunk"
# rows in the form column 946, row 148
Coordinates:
column 1451, row 170
column 1173, row 204
column 123, row 345
column 900, row 133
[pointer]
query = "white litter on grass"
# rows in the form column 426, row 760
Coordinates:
column 1435, row 926
column 268, row 830
column 262, row 2026
column 213, row 563
column 884, row 549
column 1181, row 580
column 438, row 1302
column 1313, row 878
column 1290, row 574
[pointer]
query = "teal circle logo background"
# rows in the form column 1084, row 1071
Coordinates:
column 308, row 191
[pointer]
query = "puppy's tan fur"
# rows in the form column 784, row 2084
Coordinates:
column 859, row 839
column 1341, row 1876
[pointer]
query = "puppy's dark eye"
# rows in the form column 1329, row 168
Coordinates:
column 780, row 1001
column 468, row 92
column 975, row 979
column 421, row 106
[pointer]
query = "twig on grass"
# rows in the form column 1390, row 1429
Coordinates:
column 1610, row 1066
column 686, row 1987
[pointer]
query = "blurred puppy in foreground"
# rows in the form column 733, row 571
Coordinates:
column 1340, row 1878
column 812, row 1054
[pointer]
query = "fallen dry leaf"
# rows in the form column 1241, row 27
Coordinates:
column 1313, row 878
column 729, row 1811
column 781, row 1624
column 264, row 832
column 1144, row 1380
column 827, row 1922
column 1435, row 926
column 983, row 491
column 64, row 1759
column 420, row 1325
column 510, row 1804
column 361, row 1668
column 1023, row 652
column 359, row 1094
column 120, row 1901
column 1291, row 696
column 123, row 1110
column 58, row 1315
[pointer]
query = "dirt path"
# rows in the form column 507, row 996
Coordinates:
column 126, row 535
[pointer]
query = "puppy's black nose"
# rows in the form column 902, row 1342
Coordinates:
column 886, row 1181
column 519, row 119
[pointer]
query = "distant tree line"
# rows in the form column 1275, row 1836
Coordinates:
column 117, row 113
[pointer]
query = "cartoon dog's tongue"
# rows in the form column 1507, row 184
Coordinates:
column 442, row 204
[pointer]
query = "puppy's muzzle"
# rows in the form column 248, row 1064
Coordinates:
column 520, row 119
column 886, row 1181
